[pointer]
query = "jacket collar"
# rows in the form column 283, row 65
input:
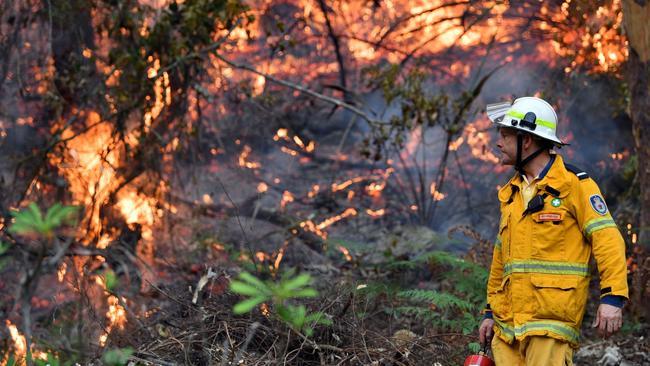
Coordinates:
column 557, row 178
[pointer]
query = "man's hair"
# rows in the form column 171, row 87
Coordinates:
column 542, row 143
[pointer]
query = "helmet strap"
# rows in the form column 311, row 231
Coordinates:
column 520, row 164
column 520, row 142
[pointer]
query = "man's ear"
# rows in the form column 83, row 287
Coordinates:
column 528, row 141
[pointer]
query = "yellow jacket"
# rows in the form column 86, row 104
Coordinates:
column 539, row 278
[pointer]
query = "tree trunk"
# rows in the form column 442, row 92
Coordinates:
column 636, row 14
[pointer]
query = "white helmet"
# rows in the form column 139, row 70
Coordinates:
column 529, row 114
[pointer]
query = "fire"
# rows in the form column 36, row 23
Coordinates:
column 258, row 85
column 350, row 195
column 375, row 186
column 346, row 253
column 207, row 199
column 479, row 141
column 286, row 198
column 137, row 208
column 319, row 229
column 60, row 273
column 375, row 189
column 376, row 213
column 437, row 196
column 162, row 91
column 262, row 187
column 311, row 146
column 314, row 191
column 264, row 309
column 20, row 346
column 262, row 257
column 116, row 317
column 348, row 212
column 281, row 134
column 298, row 141
column 286, row 150
column 343, row 185
column 278, row 258
column 456, row 144
column 619, row 156
column 310, row 226
column 243, row 159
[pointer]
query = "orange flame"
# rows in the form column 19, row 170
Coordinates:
column 376, row 213
column 456, row 144
column 20, row 346
column 310, row 226
column 314, row 191
column 375, row 189
column 243, row 159
column 348, row 212
column 346, row 253
column 319, row 229
column 286, row 150
column 286, row 198
column 60, row 273
column 281, row 134
column 116, row 317
column 437, row 196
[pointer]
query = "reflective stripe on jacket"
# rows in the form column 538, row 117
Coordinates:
column 539, row 278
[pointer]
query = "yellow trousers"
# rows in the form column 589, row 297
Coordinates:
column 532, row 351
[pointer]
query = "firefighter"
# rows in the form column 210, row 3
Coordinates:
column 553, row 220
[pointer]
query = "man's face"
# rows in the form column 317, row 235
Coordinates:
column 507, row 144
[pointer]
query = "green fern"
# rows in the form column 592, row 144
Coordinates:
column 438, row 299
column 31, row 221
column 457, row 309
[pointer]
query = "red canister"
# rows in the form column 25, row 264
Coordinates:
column 479, row 360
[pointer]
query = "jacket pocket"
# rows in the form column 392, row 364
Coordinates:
column 556, row 298
column 548, row 233
column 500, row 301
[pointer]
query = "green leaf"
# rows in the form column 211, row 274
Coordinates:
column 474, row 347
column 59, row 214
column 307, row 292
column 11, row 361
column 248, row 304
column 298, row 281
column 53, row 212
column 284, row 313
column 244, row 289
column 36, row 214
column 4, row 247
column 30, row 220
column 117, row 356
column 52, row 361
column 299, row 316
column 110, row 279
column 318, row 318
column 247, row 277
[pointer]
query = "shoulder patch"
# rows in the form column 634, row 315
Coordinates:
column 581, row 174
column 598, row 204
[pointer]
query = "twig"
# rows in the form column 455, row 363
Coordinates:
column 337, row 47
column 241, row 226
column 303, row 89
column 249, row 335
